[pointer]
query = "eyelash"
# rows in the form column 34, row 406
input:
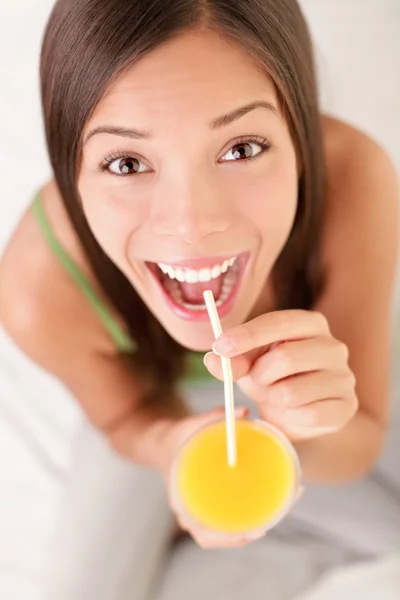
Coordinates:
column 252, row 139
column 261, row 141
column 110, row 158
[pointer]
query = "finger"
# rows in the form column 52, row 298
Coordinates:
column 313, row 420
column 300, row 493
column 182, row 523
column 270, row 328
column 240, row 366
column 301, row 356
column 303, row 389
column 209, row 540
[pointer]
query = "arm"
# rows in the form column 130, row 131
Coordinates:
column 360, row 253
column 116, row 402
column 131, row 416
column 133, row 420
column 51, row 322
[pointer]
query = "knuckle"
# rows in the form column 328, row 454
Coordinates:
column 352, row 380
column 343, row 351
column 348, row 383
column 321, row 321
column 283, row 358
column 353, row 405
column 286, row 394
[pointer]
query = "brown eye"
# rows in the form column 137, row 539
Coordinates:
column 244, row 151
column 127, row 166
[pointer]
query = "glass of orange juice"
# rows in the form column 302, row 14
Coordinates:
column 249, row 498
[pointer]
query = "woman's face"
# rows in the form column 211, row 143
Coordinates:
column 189, row 182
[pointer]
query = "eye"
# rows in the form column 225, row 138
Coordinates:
column 245, row 150
column 127, row 166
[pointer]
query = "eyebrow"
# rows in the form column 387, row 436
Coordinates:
column 240, row 112
column 134, row 134
column 222, row 121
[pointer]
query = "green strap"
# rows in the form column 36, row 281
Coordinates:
column 122, row 340
column 195, row 367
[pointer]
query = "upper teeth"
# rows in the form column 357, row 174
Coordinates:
column 193, row 275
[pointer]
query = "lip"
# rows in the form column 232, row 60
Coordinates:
column 201, row 315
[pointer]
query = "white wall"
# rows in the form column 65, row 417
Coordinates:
column 358, row 53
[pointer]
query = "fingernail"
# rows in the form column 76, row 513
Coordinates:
column 206, row 358
column 300, row 493
column 241, row 411
column 224, row 345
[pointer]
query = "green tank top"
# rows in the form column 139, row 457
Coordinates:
column 122, row 340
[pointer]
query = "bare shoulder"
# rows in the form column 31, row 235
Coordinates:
column 40, row 306
column 350, row 151
column 362, row 191
column 359, row 255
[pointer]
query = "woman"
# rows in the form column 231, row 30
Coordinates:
column 189, row 153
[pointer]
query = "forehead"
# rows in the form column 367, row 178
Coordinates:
column 197, row 74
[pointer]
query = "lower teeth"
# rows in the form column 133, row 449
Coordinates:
column 193, row 306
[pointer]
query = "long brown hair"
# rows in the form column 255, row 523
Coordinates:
column 89, row 43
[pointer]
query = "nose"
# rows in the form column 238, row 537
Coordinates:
column 190, row 211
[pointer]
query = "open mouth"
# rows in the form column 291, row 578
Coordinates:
column 182, row 285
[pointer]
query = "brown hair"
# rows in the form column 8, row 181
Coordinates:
column 89, row 43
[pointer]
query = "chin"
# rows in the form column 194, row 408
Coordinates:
column 173, row 291
column 197, row 335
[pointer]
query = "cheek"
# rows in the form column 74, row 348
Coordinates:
column 111, row 215
column 269, row 202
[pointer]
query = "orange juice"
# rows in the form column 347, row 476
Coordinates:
column 252, row 495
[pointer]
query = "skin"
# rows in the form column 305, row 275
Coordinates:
column 190, row 204
column 320, row 375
